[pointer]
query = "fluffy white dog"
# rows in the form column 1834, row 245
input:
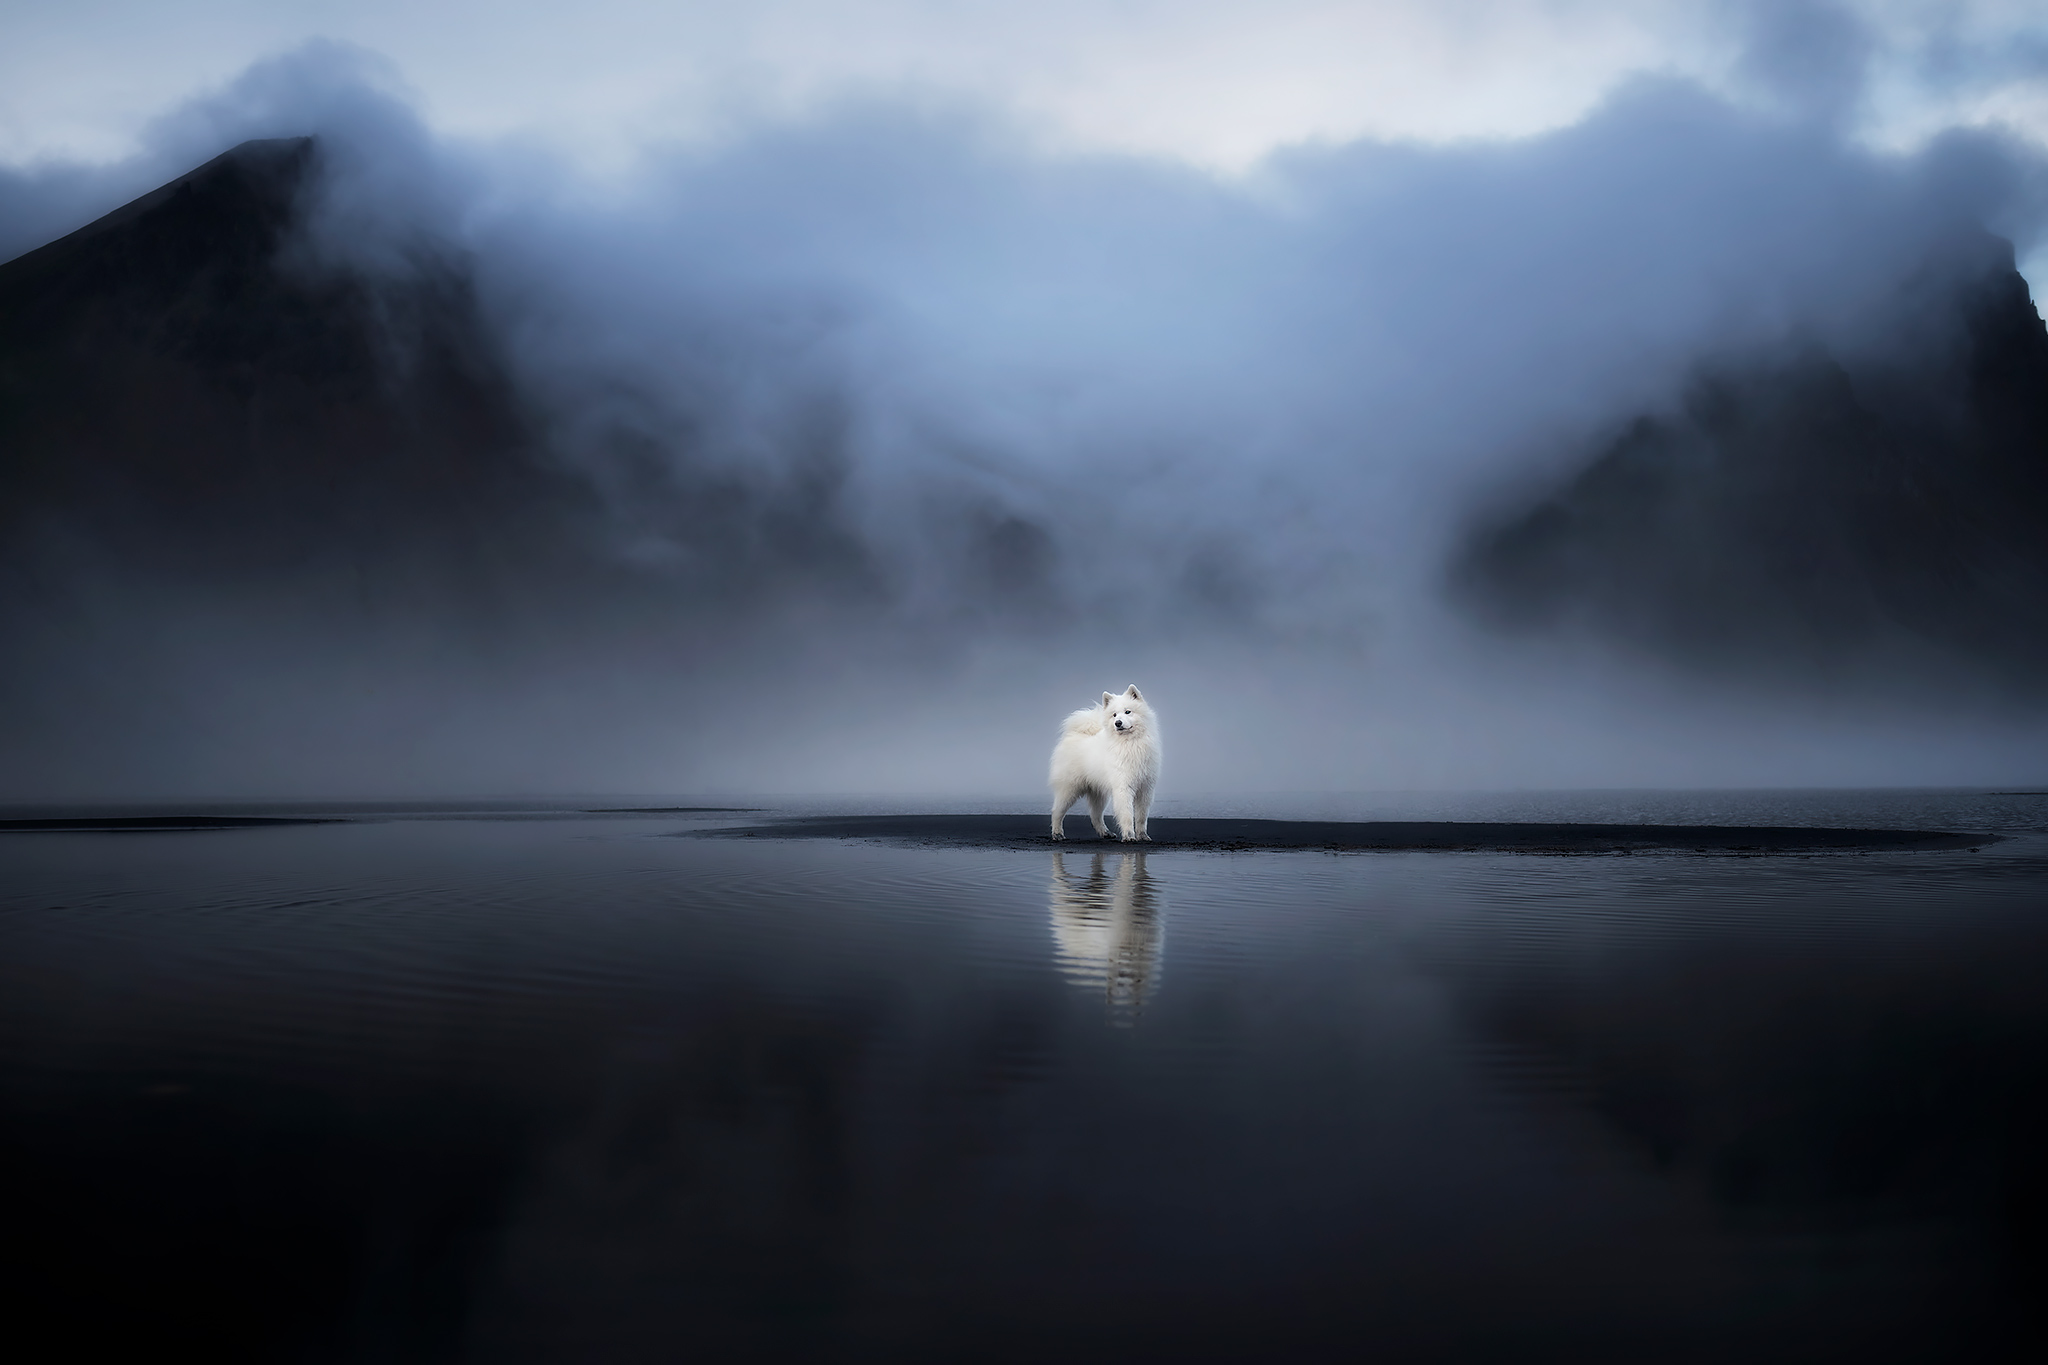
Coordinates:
column 1110, row 754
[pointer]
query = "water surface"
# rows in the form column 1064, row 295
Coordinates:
column 533, row 1085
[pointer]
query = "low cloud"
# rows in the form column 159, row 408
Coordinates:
column 887, row 434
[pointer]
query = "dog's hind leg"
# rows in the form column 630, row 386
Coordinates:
column 1063, row 799
column 1143, row 802
column 1097, row 801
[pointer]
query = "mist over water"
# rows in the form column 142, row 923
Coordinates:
column 856, row 450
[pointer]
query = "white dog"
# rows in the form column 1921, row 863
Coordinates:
column 1110, row 754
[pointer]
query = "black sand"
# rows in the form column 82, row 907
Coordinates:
column 141, row 824
column 1029, row 831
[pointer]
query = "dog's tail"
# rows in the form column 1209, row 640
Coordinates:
column 1086, row 721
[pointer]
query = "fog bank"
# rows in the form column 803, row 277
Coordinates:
column 849, row 453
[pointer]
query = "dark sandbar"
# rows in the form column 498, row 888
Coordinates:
column 115, row 824
column 1029, row 831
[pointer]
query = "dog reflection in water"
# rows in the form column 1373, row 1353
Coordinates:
column 1108, row 927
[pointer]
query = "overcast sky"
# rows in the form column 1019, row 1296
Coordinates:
column 1217, row 82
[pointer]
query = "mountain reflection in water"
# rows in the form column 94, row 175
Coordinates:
column 525, row 1087
column 1109, row 928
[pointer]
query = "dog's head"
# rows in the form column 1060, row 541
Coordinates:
column 1125, row 712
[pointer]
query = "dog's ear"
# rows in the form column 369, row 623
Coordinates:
column 1133, row 693
column 1107, row 698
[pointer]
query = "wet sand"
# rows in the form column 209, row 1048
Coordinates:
column 1029, row 831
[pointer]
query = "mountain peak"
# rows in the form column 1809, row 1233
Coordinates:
column 1810, row 516
column 246, row 197
column 176, row 380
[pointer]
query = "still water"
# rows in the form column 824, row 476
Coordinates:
column 547, row 1086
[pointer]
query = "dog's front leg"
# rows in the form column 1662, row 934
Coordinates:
column 1127, row 814
column 1144, row 803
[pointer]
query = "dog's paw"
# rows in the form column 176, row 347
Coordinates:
column 1059, row 836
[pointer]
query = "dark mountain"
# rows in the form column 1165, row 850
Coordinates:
column 192, row 386
column 1815, row 517
column 186, row 386
column 277, row 512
